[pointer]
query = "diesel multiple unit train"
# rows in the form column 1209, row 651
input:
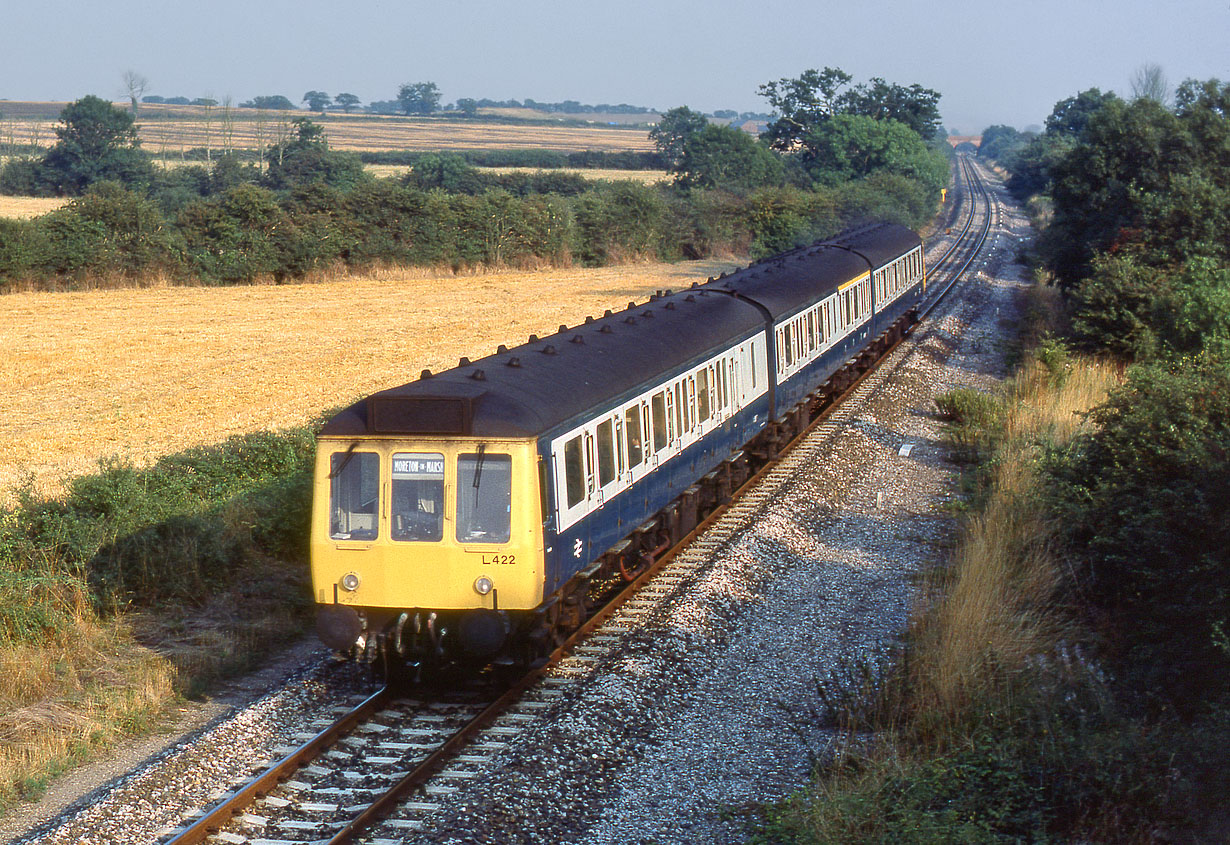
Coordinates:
column 467, row 516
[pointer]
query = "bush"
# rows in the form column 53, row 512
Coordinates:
column 1143, row 500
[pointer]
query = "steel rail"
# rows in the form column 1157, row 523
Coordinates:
column 383, row 804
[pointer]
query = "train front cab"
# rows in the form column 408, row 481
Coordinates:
column 425, row 546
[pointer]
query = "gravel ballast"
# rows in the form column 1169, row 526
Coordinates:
column 707, row 708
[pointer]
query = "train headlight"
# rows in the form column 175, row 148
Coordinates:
column 350, row 582
column 483, row 585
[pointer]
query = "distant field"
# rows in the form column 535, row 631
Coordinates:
column 142, row 373
column 167, row 129
column 24, row 208
column 648, row 177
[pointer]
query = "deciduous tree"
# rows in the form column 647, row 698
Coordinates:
column 316, row 100
column 673, row 131
column 346, row 102
column 418, row 97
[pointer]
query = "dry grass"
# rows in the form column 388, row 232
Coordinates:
column 997, row 607
column 60, row 700
column 143, row 373
column 23, row 208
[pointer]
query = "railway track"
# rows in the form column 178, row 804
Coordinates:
column 384, row 766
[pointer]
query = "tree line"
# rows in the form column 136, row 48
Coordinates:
column 1136, row 195
column 307, row 207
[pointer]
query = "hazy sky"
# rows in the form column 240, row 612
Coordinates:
column 992, row 62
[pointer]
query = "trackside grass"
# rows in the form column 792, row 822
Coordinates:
column 992, row 722
column 141, row 585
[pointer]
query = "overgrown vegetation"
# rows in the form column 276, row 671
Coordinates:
column 142, row 583
column 1067, row 675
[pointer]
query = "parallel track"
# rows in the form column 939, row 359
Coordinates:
column 442, row 731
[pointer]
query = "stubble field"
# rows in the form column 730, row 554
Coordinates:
column 138, row 374
column 166, row 130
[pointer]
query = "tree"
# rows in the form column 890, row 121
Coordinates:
column 853, row 146
column 802, row 104
column 134, row 86
column 468, row 106
column 316, row 101
column 96, row 141
column 306, row 159
column 915, row 106
column 418, row 97
column 1000, row 142
column 346, row 102
column 673, row 131
column 1149, row 81
column 725, row 157
column 1070, row 116
column 272, row 102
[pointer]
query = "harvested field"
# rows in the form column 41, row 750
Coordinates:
column 23, row 208
column 648, row 177
column 165, row 130
column 143, row 373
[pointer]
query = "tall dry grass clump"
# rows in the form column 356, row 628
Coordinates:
column 1000, row 604
column 65, row 697
column 989, row 724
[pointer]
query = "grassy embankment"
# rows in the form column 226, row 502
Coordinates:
column 992, row 725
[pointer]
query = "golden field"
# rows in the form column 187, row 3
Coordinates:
column 647, row 177
column 143, row 373
column 23, row 208
column 166, row 130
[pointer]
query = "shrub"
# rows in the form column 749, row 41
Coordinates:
column 1144, row 504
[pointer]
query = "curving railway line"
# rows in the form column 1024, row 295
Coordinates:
column 381, row 768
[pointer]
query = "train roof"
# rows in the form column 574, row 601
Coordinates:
column 788, row 282
column 529, row 390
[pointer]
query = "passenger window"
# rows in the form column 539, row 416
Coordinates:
column 354, row 495
column 574, row 472
column 418, row 497
column 789, row 346
column 702, row 396
column 658, row 403
column 811, row 331
column 691, row 409
column 632, row 427
column 606, row 454
column 484, row 498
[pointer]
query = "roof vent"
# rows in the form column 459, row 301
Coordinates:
column 606, row 329
column 631, row 305
column 533, row 338
column 478, row 375
column 425, row 374
column 631, row 321
column 501, row 349
column 513, row 362
column 464, row 362
column 695, row 285
column 548, row 350
column 562, row 328
column 689, row 298
column 588, row 320
column 606, row 313
column 670, row 306
column 578, row 339
column 647, row 313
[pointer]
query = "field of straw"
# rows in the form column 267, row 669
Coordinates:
column 165, row 130
column 23, row 208
column 647, row 177
column 142, row 373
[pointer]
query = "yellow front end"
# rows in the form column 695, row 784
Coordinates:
column 435, row 524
